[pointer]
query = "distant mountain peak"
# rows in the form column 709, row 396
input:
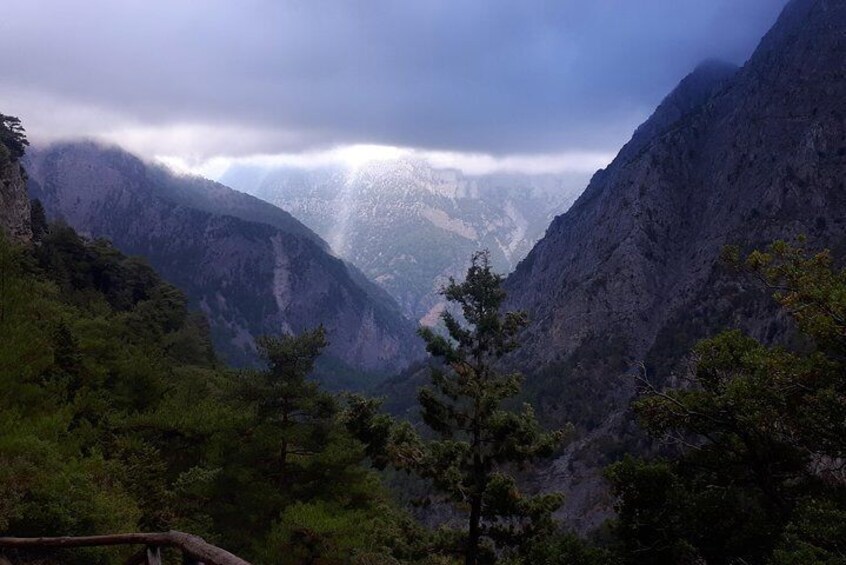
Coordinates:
column 410, row 225
column 806, row 20
column 156, row 179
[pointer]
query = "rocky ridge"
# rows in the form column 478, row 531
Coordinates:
column 631, row 273
column 249, row 266
column 14, row 201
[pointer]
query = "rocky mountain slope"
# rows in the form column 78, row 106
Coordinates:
column 251, row 267
column 408, row 225
column 632, row 273
column 14, row 202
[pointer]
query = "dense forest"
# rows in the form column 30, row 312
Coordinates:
column 117, row 417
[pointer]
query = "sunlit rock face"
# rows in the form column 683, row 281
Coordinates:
column 251, row 267
column 631, row 272
column 410, row 226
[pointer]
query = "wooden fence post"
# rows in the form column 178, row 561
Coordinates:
column 154, row 555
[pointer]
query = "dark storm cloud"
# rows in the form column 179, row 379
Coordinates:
column 269, row 76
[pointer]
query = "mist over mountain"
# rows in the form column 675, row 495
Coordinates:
column 410, row 226
column 251, row 267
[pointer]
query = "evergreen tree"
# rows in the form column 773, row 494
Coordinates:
column 13, row 136
column 759, row 477
column 304, row 491
column 478, row 438
column 38, row 220
column 297, row 411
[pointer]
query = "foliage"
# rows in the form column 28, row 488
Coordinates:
column 38, row 220
column 320, row 531
column 116, row 416
column 477, row 440
column 759, row 477
column 74, row 374
column 567, row 549
column 286, row 405
column 13, row 136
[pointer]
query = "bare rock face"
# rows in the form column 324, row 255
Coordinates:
column 14, row 201
column 251, row 267
column 631, row 272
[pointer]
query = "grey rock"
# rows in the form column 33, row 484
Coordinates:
column 632, row 270
column 14, row 201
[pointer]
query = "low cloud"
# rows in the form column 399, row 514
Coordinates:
column 356, row 155
column 490, row 83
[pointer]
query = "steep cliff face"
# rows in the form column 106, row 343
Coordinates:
column 631, row 272
column 14, row 202
column 250, row 266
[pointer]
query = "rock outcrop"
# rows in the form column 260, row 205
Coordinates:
column 14, row 201
column 631, row 272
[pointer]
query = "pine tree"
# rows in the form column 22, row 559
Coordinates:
column 38, row 220
column 13, row 136
column 477, row 437
column 759, row 432
column 299, row 413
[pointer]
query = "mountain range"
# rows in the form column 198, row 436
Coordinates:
column 251, row 267
column 624, row 282
column 410, row 226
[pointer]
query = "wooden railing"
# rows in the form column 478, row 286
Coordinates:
column 195, row 550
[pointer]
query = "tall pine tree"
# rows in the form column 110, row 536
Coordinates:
column 478, row 438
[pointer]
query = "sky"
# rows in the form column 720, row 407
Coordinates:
column 531, row 85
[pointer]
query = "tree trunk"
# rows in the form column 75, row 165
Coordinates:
column 472, row 556
column 283, row 465
column 154, row 555
column 473, row 534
